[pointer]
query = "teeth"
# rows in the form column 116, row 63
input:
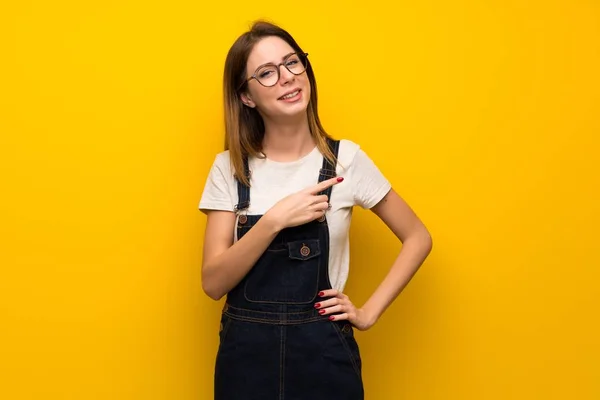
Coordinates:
column 289, row 96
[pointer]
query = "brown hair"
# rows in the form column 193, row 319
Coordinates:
column 244, row 127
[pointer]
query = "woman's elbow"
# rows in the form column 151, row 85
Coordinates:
column 211, row 289
column 425, row 240
column 212, row 292
column 419, row 238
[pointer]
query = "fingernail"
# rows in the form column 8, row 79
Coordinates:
column 321, row 311
column 331, row 317
column 340, row 178
column 321, row 294
column 317, row 305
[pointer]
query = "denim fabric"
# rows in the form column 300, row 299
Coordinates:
column 274, row 345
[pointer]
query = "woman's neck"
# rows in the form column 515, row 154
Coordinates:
column 287, row 142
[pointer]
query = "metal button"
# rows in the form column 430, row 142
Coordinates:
column 243, row 219
column 304, row 250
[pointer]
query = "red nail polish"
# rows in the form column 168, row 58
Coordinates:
column 340, row 178
column 321, row 311
column 331, row 317
column 321, row 294
column 317, row 305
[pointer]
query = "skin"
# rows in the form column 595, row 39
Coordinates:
column 287, row 138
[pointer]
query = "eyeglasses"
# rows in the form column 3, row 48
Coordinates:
column 268, row 74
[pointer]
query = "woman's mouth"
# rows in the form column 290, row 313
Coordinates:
column 291, row 97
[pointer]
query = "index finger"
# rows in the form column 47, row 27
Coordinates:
column 325, row 184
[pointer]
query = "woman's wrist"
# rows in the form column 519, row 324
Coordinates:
column 271, row 223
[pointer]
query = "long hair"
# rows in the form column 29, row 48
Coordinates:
column 244, row 127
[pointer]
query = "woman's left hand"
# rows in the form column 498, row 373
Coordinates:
column 339, row 307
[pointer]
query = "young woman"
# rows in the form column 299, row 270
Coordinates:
column 278, row 202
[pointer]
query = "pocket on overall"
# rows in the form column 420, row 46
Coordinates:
column 345, row 333
column 288, row 274
column 224, row 325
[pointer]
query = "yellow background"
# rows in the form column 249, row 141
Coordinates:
column 483, row 114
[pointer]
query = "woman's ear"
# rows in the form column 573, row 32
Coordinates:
column 247, row 100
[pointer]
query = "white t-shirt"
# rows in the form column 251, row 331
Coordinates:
column 363, row 185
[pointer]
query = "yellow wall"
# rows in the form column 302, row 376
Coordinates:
column 483, row 114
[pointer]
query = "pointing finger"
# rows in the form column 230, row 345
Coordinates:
column 325, row 184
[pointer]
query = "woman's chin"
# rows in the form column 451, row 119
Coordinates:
column 292, row 110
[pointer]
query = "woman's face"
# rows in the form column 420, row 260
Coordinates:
column 290, row 95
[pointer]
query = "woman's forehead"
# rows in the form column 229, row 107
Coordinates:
column 268, row 50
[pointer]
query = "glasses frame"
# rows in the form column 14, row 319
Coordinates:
column 277, row 67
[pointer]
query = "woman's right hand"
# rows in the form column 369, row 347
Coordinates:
column 301, row 207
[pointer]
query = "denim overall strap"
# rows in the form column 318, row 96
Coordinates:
column 243, row 190
column 328, row 169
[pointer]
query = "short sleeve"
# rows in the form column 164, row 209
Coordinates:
column 217, row 194
column 369, row 185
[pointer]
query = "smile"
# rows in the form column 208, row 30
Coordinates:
column 290, row 95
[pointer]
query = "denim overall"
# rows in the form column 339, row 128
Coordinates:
column 274, row 345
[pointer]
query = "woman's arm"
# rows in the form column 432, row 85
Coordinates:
column 416, row 246
column 416, row 240
column 224, row 263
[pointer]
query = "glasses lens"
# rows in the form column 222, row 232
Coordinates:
column 267, row 75
column 296, row 63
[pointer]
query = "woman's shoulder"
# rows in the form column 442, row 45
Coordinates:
column 369, row 185
column 222, row 160
column 221, row 165
column 347, row 151
column 222, row 157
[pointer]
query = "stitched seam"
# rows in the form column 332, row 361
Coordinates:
column 281, row 363
column 268, row 312
column 225, row 329
column 276, row 322
column 223, row 336
column 347, row 347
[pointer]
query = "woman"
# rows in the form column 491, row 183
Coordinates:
column 278, row 204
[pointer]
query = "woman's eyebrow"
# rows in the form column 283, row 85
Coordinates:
column 268, row 63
